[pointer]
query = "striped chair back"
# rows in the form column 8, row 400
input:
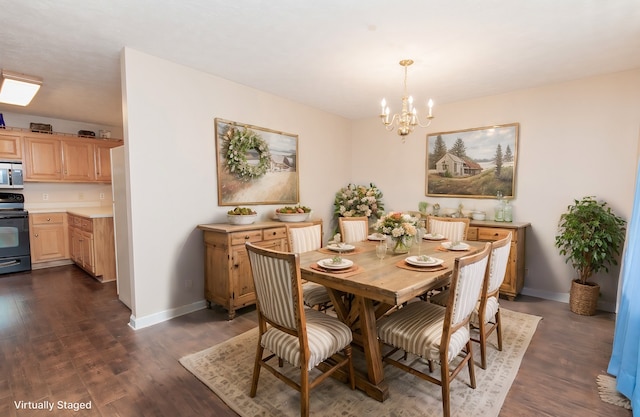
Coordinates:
column 453, row 229
column 305, row 238
column 470, row 273
column 277, row 285
column 354, row 229
column 498, row 267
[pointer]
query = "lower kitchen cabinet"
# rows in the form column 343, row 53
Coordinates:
column 228, row 281
column 92, row 245
column 49, row 238
column 489, row 231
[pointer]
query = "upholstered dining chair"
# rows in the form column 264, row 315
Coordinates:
column 452, row 228
column 353, row 229
column 304, row 238
column 302, row 337
column 437, row 333
column 486, row 315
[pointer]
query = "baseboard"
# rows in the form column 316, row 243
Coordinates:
column 563, row 297
column 51, row 264
column 137, row 323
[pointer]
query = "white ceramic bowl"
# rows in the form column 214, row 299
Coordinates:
column 292, row 217
column 478, row 215
column 241, row 218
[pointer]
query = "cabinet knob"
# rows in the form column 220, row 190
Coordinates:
column 36, row 235
column 247, row 237
column 48, row 219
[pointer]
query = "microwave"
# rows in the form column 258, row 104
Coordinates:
column 11, row 175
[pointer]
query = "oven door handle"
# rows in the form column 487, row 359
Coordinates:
column 9, row 263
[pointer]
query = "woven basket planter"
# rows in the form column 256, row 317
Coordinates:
column 583, row 298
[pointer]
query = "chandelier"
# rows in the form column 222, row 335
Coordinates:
column 405, row 121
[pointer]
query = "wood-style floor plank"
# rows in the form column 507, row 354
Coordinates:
column 65, row 337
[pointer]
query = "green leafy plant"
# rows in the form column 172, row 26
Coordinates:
column 590, row 236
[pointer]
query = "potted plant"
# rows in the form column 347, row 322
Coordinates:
column 590, row 236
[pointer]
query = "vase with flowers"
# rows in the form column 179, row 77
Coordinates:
column 400, row 227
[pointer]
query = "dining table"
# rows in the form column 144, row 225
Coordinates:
column 371, row 287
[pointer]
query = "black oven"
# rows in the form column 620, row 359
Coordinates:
column 15, row 255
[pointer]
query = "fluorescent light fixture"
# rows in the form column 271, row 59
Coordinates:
column 17, row 88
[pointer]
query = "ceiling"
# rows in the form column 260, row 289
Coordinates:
column 335, row 55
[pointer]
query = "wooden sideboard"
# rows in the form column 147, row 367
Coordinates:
column 488, row 231
column 228, row 281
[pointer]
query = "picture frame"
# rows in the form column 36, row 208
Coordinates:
column 255, row 165
column 472, row 163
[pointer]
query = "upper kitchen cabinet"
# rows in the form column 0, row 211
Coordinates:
column 10, row 146
column 103, row 160
column 43, row 159
column 51, row 158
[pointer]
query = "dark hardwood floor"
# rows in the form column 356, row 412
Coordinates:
column 64, row 337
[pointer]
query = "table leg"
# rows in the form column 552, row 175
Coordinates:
column 376, row 386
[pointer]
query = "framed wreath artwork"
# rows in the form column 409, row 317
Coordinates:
column 255, row 165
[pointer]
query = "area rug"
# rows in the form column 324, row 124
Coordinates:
column 609, row 393
column 226, row 369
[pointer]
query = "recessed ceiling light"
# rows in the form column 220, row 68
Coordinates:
column 17, row 88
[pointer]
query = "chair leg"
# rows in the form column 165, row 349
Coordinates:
column 472, row 371
column 256, row 370
column 304, row 392
column 483, row 343
column 499, row 330
column 352, row 375
column 444, row 382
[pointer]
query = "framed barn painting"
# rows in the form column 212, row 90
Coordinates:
column 255, row 165
column 474, row 163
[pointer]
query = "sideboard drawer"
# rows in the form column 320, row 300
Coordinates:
column 239, row 238
column 492, row 234
column 274, row 233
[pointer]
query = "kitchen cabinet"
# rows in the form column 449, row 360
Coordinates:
column 490, row 231
column 55, row 158
column 92, row 245
column 49, row 238
column 228, row 281
column 78, row 164
column 10, row 146
column 43, row 159
column 103, row 160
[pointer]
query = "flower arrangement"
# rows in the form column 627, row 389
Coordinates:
column 401, row 227
column 358, row 200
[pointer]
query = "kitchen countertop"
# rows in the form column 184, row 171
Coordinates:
column 90, row 212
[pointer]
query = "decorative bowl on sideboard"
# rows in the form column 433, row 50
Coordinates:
column 292, row 217
column 241, row 218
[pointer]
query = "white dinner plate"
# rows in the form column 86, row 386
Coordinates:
column 329, row 264
column 344, row 247
column 415, row 261
column 436, row 236
column 459, row 246
column 377, row 236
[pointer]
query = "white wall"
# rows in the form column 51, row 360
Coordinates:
column 170, row 146
column 576, row 139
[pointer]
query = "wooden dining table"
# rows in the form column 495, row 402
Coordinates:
column 372, row 287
